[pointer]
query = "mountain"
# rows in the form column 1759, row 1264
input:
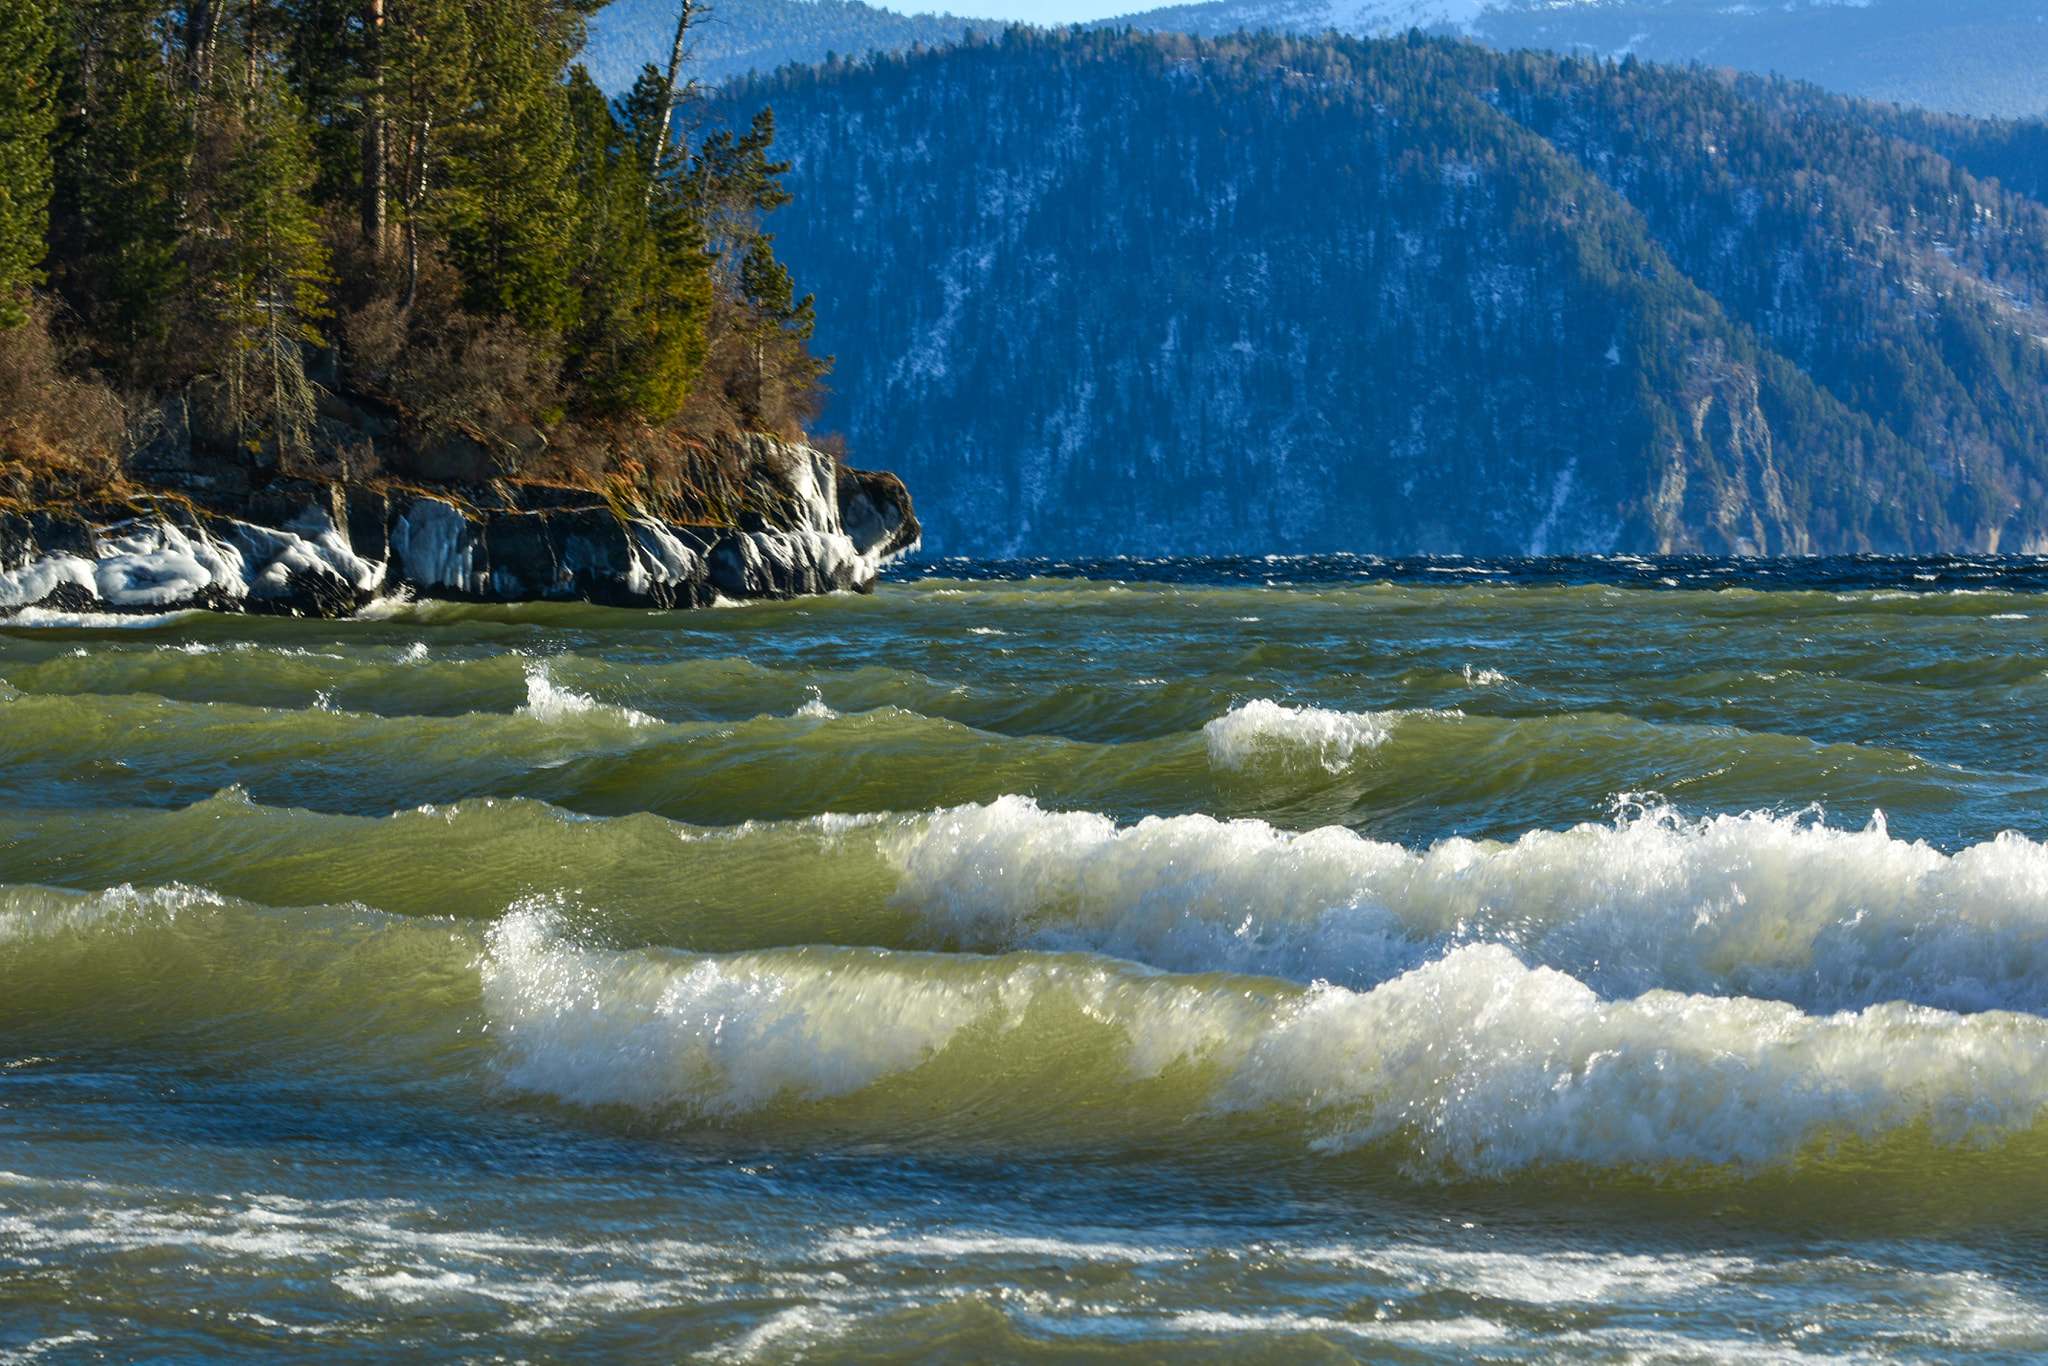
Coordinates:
column 1095, row 292
column 1987, row 57
column 1981, row 57
column 738, row 36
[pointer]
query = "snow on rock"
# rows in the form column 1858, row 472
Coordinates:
column 42, row 578
column 328, row 550
column 309, row 545
column 156, row 565
column 436, row 545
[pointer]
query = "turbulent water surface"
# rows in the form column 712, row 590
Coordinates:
column 1250, row 961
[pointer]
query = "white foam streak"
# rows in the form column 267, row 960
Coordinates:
column 814, row 709
column 1762, row 905
column 36, row 913
column 95, row 621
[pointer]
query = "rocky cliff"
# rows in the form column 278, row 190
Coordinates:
column 328, row 547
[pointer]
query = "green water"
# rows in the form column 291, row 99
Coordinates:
column 1046, row 970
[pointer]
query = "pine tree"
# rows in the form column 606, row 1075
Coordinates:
column 760, row 329
column 425, row 66
column 123, row 173
column 511, row 207
column 27, row 119
column 643, row 270
column 268, row 285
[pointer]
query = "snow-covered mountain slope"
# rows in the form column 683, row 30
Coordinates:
column 739, row 36
column 1983, row 57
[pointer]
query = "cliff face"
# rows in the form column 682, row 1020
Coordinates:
column 1103, row 294
column 315, row 548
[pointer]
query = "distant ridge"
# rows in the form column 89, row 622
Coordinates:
column 1983, row 57
column 1987, row 58
column 758, row 35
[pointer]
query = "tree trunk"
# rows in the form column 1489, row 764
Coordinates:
column 374, row 158
column 671, row 96
column 202, row 31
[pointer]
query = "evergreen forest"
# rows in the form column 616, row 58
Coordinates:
column 1116, row 292
column 324, row 236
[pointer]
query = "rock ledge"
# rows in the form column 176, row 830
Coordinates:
column 310, row 548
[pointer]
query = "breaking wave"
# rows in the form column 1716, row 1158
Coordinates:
column 1472, row 1064
column 549, row 702
column 1770, row 905
column 1266, row 729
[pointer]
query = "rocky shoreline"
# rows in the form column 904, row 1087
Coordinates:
column 326, row 548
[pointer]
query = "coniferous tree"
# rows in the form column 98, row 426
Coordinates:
column 511, row 207
column 27, row 118
column 269, row 287
column 123, row 176
column 759, row 329
column 643, row 268
column 426, row 194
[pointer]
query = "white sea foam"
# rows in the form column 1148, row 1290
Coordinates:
column 1553, row 1278
column 95, row 621
column 785, row 1333
column 1263, row 728
column 815, row 709
column 1183, row 893
column 863, row 1245
column 549, row 702
column 1764, row 905
column 388, row 606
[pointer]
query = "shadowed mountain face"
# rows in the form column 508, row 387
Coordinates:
column 1985, row 57
column 1094, row 293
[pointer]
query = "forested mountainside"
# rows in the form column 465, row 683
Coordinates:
column 738, row 36
column 1130, row 293
column 1987, row 57
column 2013, row 152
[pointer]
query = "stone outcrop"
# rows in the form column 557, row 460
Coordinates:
column 315, row 548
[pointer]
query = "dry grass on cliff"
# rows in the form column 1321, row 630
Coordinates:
column 58, row 433
column 713, row 479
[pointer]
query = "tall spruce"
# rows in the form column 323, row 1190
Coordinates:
column 512, row 206
column 269, row 288
column 28, row 116
column 123, row 172
column 760, row 330
column 642, row 267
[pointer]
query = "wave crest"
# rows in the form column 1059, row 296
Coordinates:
column 1472, row 1064
column 551, row 703
column 1777, row 906
column 1263, row 728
